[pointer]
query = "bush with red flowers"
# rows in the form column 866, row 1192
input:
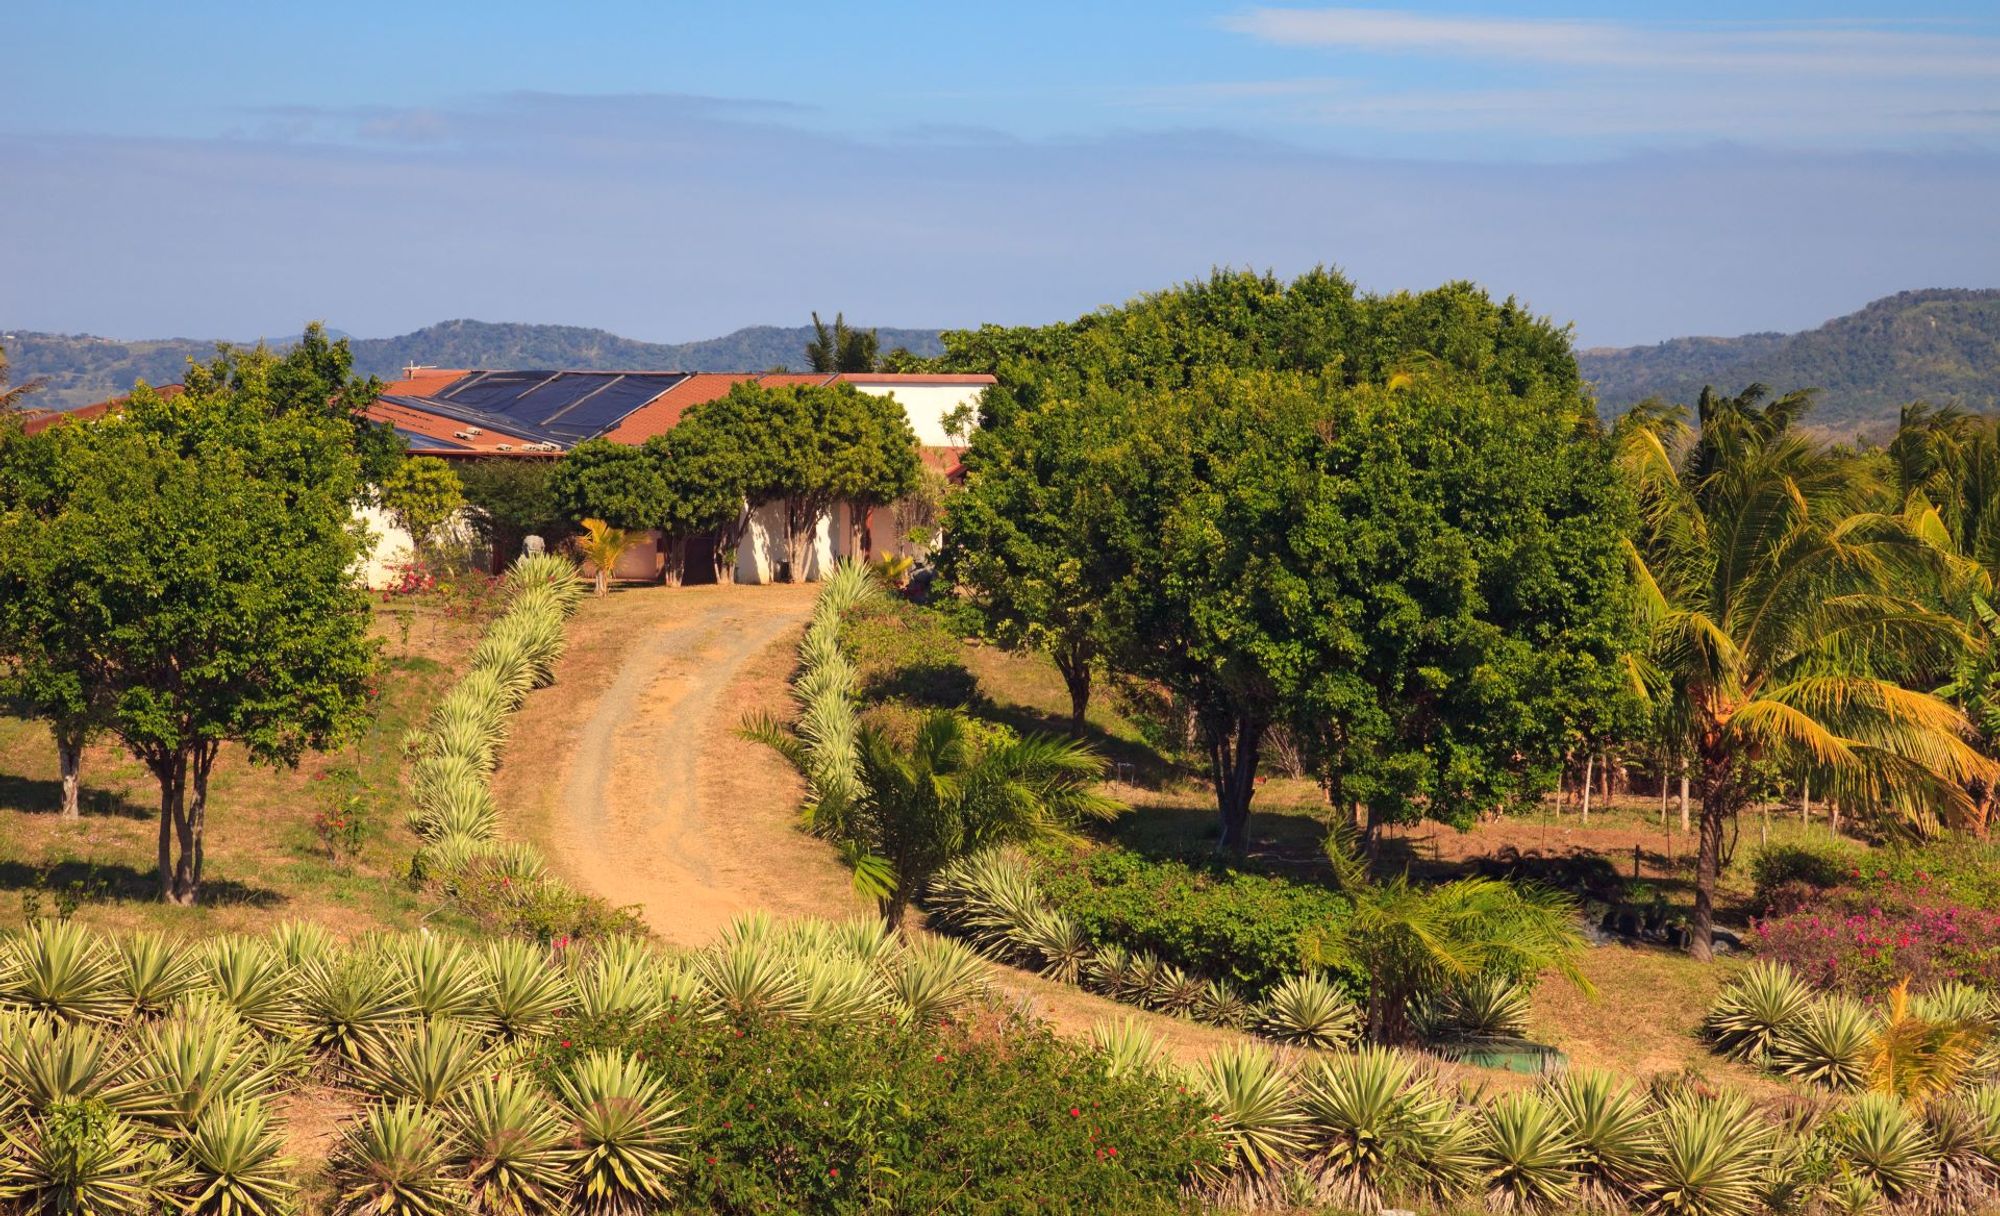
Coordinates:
column 1864, row 939
column 994, row 1117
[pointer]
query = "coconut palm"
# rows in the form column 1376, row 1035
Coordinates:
column 1785, row 612
column 602, row 545
column 955, row 789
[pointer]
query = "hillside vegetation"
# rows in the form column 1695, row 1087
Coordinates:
column 78, row 369
column 1941, row 346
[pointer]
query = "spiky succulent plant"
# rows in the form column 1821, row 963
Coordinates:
column 520, row 993
column 249, row 976
column 396, row 1161
column 1252, row 1107
column 350, row 1004
column 1881, row 1140
column 198, row 1057
column 1128, row 1048
column 1612, row 1126
column 512, row 1147
column 233, row 1164
column 1707, row 1159
column 153, row 974
column 427, row 1062
column 1308, row 1010
column 1756, row 1011
column 1529, row 1158
column 1222, row 1004
column 1832, row 1044
column 626, row 1132
column 936, row 978
column 63, row 969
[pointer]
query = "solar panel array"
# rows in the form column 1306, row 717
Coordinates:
column 564, row 407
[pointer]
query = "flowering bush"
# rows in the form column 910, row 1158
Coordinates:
column 1864, row 938
column 994, row 1117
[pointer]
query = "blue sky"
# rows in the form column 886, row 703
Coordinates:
column 672, row 171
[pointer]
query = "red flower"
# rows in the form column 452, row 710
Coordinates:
column 1074, row 1113
column 565, row 1042
column 834, row 1172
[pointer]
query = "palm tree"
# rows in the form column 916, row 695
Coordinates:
column 1412, row 941
column 1786, row 613
column 1917, row 1057
column 957, row 788
column 602, row 545
column 841, row 348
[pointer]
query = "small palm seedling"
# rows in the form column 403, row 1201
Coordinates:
column 197, row 1058
column 1708, row 1158
column 602, row 545
column 82, row 1157
column 427, row 1063
column 1251, row 1106
column 233, row 1164
column 520, row 993
column 350, row 1004
column 937, row 978
column 1915, row 1057
column 1128, row 1049
column 63, row 969
column 441, row 978
column 1612, row 1127
column 396, row 1161
column 1308, row 1010
column 512, row 1148
column 746, row 982
column 1756, row 1011
column 1527, row 1154
column 1832, row 1044
column 250, row 977
column 1175, row 991
column 153, row 974
column 623, row 1126
column 1880, row 1140
column 1222, row 1004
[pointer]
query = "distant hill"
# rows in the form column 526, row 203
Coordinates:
column 79, row 369
column 1939, row 346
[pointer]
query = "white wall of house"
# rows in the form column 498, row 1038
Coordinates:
column 927, row 406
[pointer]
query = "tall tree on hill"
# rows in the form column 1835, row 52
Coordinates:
column 1786, row 611
column 201, row 549
column 13, row 395
column 838, row 348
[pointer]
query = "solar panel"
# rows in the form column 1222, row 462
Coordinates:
column 568, row 406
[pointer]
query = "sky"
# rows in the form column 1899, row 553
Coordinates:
column 672, row 171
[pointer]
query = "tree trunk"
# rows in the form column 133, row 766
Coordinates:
column 1232, row 756
column 1717, row 803
column 1074, row 663
column 801, row 526
column 69, row 758
column 1588, row 761
column 171, row 772
column 673, row 562
column 1663, row 791
column 857, row 527
column 1685, row 826
column 603, row 580
column 1805, row 801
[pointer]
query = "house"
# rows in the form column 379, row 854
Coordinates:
column 468, row 414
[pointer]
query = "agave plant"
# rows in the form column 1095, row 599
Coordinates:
column 867, row 941
column 1879, row 1139
column 988, row 897
column 1611, row 1125
column 745, row 981
column 1957, row 1004
column 63, row 969
column 449, row 859
column 396, row 1161
column 440, row 977
column 153, row 974
column 300, row 942
column 247, row 975
column 520, row 994
column 427, row 1063
column 1832, row 1044
column 436, row 779
column 623, row 1125
column 1756, row 1011
column 1175, row 991
column 1056, row 943
column 1528, row 1155
column 233, row 1164
column 1221, row 1003
column 349, row 1005
column 1707, row 1158
column 838, row 989
column 937, row 978
column 1252, row 1107
column 46, row 1065
column 622, row 981
column 1358, row 1118
column 1108, row 971
column 197, row 1058
column 1128, row 1049
column 512, row 1148
column 1308, row 1010
column 556, row 573
column 1490, row 1005
column 1965, row 1129
column 465, row 809
column 81, row 1157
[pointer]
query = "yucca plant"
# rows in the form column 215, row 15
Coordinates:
column 435, row 778
column 450, row 859
column 1108, row 970
column 1222, row 1004
column 232, row 1164
column 558, row 574
column 1489, row 1005
column 1528, row 1156
column 1756, row 1010
column 1252, row 1106
column 1057, row 943
column 1832, row 1044
column 63, row 969
column 153, row 974
column 838, row 989
column 82, row 1158
column 1957, row 1004
column 848, row 586
column 622, row 982
column 520, row 993
column 1881, row 1140
column 1128, row 1049
column 511, row 1146
column 197, row 1058
column 867, row 941
column 745, row 981
column 350, row 1004
column 1174, row 991
column 1359, row 1117
column 396, row 1161
column 936, row 978
column 465, row 808
column 46, row 1064
column 1308, row 1010
column 1142, row 975
column 987, row 897
column 428, row 1062
column 1707, row 1158
column 440, row 977
column 1965, row 1129
column 300, row 942
column 247, row 975
column 1612, row 1127
column 623, row 1124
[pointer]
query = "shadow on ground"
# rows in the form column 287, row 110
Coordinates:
column 98, row 882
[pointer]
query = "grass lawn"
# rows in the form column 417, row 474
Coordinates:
column 264, row 859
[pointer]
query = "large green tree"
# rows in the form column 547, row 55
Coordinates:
column 510, row 499
column 615, row 482
column 201, row 548
column 701, row 479
column 1787, row 611
column 421, row 494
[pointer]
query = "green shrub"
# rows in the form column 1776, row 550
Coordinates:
column 796, row 1118
column 1783, row 872
column 906, row 654
column 1250, row 928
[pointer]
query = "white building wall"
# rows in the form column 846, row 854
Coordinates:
column 927, row 406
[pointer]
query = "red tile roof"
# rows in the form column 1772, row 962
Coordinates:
column 82, row 413
column 893, row 378
column 659, row 415
column 412, row 417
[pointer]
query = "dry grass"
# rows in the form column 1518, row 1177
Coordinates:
column 263, row 858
